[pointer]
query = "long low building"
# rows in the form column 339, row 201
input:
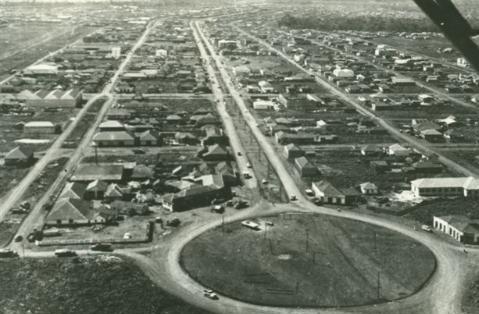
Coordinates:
column 445, row 187
column 461, row 228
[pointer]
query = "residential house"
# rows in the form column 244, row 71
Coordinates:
column 148, row 138
column 39, row 127
column 95, row 190
column 398, row 150
column 213, row 135
column 19, row 156
column 186, row 138
column 329, row 194
column 73, row 212
column 215, row 153
column 368, row 188
column 291, row 151
column 111, row 126
column 74, row 190
column 212, row 188
column 103, row 172
column 113, row 139
column 305, row 168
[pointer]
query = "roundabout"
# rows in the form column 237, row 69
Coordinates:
column 308, row 260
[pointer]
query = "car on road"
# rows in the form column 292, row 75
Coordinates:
column 175, row 222
column 138, row 151
column 103, row 247
column 64, row 253
column 264, row 181
column 210, row 294
column 218, row 209
column 247, row 175
column 293, row 198
column 426, row 228
column 248, row 165
column 240, row 154
column 8, row 253
column 18, row 238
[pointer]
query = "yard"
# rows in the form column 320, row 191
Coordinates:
column 308, row 261
column 83, row 285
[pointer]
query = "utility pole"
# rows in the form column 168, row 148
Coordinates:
column 379, row 285
column 307, row 240
column 223, row 223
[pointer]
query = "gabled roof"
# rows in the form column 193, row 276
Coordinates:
column 368, row 186
column 74, row 190
column 113, row 136
column 19, row 153
column 69, row 208
column 216, row 150
column 142, row 172
column 97, row 186
column 92, row 172
column 148, row 135
column 303, row 162
column 327, row 188
column 113, row 190
column 111, row 124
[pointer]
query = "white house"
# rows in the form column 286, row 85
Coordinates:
column 368, row 188
column 263, row 104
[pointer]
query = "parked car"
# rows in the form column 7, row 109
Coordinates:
column 426, row 228
column 18, row 238
column 64, row 253
column 138, row 151
column 250, row 224
column 175, row 222
column 218, row 209
column 210, row 294
column 104, row 247
column 8, row 253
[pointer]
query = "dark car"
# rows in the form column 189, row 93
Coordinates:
column 104, row 247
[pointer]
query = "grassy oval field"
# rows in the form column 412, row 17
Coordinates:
column 306, row 260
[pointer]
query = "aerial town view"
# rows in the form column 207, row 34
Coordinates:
column 239, row 156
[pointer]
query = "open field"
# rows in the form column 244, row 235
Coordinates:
column 33, row 42
column 308, row 260
column 108, row 285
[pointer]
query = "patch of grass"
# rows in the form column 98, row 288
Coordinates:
column 10, row 176
column 7, row 231
column 107, row 285
column 309, row 261
column 470, row 301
